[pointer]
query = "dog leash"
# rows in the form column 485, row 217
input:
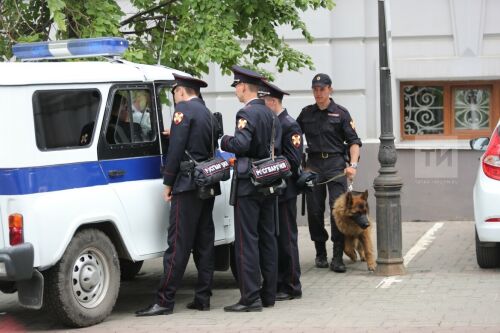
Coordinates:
column 349, row 187
column 331, row 179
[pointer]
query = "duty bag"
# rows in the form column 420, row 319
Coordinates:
column 211, row 171
column 269, row 171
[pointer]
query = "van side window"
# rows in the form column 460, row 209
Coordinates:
column 65, row 118
column 130, row 120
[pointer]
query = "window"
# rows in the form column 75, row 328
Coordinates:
column 449, row 110
column 130, row 120
column 65, row 118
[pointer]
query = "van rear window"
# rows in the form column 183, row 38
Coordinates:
column 65, row 118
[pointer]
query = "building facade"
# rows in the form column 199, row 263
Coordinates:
column 445, row 66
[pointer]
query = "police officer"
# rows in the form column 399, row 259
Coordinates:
column 327, row 126
column 289, row 286
column 191, row 226
column 255, row 241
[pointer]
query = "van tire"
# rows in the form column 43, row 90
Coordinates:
column 81, row 289
column 487, row 256
column 129, row 269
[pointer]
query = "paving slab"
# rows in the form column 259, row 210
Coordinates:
column 443, row 291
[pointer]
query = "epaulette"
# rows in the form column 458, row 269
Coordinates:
column 308, row 108
column 342, row 108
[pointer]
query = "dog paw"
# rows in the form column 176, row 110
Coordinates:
column 371, row 268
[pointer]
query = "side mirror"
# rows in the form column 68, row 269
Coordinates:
column 220, row 129
column 479, row 143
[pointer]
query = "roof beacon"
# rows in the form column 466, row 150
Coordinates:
column 71, row 48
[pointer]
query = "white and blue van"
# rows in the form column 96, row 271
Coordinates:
column 81, row 151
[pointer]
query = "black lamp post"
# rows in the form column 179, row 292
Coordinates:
column 388, row 184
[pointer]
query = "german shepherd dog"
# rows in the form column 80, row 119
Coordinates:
column 351, row 216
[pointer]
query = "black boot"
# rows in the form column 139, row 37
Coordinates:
column 321, row 260
column 337, row 264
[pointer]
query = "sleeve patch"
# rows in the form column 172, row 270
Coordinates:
column 296, row 140
column 242, row 123
column 353, row 125
column 178, row 117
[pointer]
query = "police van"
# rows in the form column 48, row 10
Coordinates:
column 81, row 150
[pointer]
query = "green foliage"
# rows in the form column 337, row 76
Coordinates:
column 183, row 34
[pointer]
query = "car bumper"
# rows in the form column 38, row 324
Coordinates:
column 486, row 197
column 16, row 262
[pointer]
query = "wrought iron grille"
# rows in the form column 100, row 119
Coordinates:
column 423, row 110
column 471, row 108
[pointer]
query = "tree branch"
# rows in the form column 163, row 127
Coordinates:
column 147, row 11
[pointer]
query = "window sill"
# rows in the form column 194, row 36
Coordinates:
column 434, row 144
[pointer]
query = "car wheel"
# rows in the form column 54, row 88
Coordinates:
column 129, row 269
column 81, row 289
column 487, row 257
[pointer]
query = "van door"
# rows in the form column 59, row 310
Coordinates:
column 129, row 154
column 222, row 213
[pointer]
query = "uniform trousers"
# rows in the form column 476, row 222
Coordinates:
column 191, row 228
column 256, row 248
column 326, row 168
column 288, row 250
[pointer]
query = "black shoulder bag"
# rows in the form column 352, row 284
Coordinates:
column 269, row 174
column 209, row 172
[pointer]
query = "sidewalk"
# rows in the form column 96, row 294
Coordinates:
column 444, row 290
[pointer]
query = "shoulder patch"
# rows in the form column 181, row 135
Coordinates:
column 242, row 123
column 178, row 117
column 296, row 139
column 353, row 125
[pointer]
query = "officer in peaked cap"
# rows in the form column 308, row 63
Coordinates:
column 328, row 128
column 254, row 213
column 191, row 226
column 289, row 286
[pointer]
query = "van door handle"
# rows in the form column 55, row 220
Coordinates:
column 116, row 173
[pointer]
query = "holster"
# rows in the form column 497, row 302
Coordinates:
column 186, row 167
column 275, row 189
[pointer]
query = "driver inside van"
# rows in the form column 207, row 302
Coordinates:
column 120, row 129
column 141, row 111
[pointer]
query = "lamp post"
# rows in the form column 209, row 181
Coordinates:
column 387, row 184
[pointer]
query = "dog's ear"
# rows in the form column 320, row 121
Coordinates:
column 364, row 196
column 348, row 200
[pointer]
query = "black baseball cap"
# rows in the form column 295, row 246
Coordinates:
column 243, row 75
column 189, row 82
column 268, row 89
column 321, row 80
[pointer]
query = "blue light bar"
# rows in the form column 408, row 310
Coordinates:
column 71, row 48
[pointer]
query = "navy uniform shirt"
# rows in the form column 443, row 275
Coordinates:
column 191, row 130
column 292, row 148
column 327, row 130
column 251, row 140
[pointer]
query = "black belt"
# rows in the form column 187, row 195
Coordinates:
column 323, row 156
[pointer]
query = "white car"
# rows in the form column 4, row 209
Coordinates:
column 486, row 199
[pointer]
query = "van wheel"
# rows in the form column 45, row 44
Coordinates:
column 81, row 289
column 487, row 257
column 129, row 269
